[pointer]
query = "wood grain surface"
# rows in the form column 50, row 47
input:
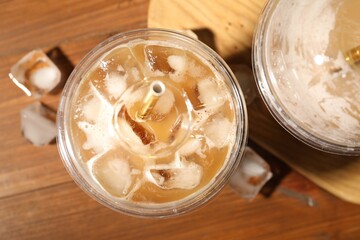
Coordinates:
column 38, row 199
column 232, row 24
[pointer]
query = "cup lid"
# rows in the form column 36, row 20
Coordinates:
column 80, row 174
column 307, row 64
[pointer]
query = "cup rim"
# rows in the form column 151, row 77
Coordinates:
column 262, row 79
column 173, row 208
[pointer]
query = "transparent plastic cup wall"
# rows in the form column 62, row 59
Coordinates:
column 267, row 82
column 80, row 175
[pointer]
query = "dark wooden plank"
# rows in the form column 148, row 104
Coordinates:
column 25, row 25
column 38, row 199
column 64, row 211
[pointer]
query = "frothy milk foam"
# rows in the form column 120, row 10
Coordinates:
column 179, row 149
column 310, row 76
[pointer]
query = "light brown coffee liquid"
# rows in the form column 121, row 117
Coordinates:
column 178, row 149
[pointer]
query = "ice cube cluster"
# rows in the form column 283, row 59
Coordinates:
column 188, row 135
column 36, row 75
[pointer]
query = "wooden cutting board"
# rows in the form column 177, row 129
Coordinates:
column 228, row 26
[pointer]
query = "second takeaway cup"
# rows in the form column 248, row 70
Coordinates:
column 306, row 58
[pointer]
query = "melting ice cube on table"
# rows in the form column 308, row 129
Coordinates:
column 251, row 175
column 38, row 124
column 35, row 74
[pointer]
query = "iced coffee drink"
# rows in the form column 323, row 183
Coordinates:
column 153, row 123
column 306, row 56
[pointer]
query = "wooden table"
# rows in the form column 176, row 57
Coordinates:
column 38, row 199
